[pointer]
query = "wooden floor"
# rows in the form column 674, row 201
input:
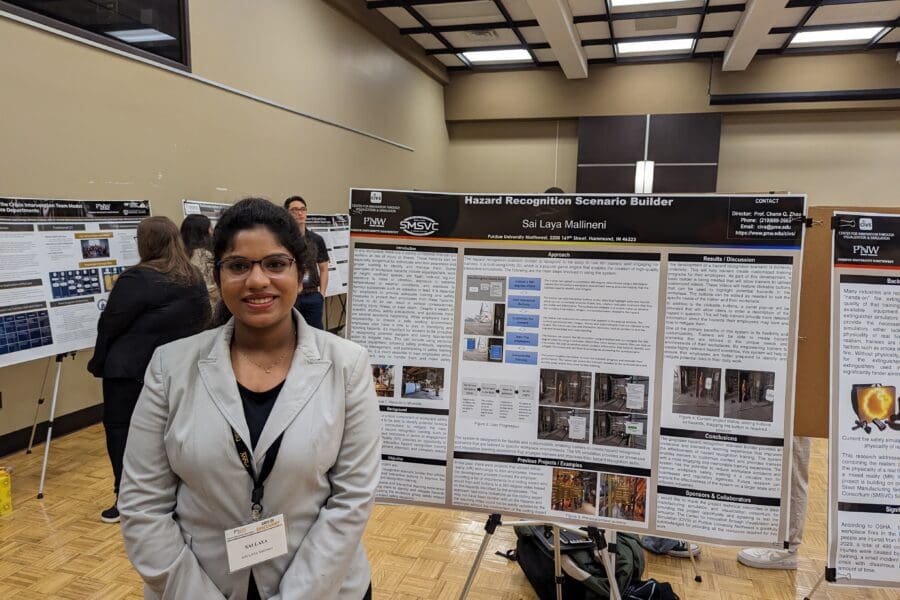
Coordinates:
column 58, row 548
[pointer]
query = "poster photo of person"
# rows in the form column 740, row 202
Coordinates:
column 426, row 383
column 749, row 395
column 696, row 391
column 565, row 388
column 622, row 497
column 622, row 430
column 574, row 491
column 621, row 393
column 384, row 380
column 563, row 424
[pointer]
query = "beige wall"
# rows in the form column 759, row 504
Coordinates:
column 78, row 122
column 661, row 88
column 836, row 157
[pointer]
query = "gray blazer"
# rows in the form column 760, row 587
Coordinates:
column 183, row 484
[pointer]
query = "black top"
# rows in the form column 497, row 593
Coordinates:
column 145, row 310
column 257, row 407
column 318, row 253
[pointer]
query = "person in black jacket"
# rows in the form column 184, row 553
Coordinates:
column 161, row 299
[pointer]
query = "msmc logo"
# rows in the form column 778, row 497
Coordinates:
column 419, row 226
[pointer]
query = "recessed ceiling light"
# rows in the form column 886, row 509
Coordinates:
column 654, row 46
column 857, row 34
column 137, row 36
column 618, row 3
column 485, row 56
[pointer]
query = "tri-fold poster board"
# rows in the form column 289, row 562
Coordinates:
column 864, row 441
column 619, row 360
column 60, row 259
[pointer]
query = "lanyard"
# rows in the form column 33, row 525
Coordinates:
column 258, row 488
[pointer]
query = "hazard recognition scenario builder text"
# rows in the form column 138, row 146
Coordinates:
column 60, row 261
column 864, row 490
column 623, row 360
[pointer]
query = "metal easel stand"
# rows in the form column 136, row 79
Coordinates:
column 593, row 533
column 40, row 401
column 59, row 361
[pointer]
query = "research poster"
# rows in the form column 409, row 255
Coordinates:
column 60, row 261
column 617, row 359
column 334, row 229
column 864, row 448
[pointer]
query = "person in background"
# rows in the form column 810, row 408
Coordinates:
column 262, row 420
column 196, row 233
column 311, row 301
column 160, row 299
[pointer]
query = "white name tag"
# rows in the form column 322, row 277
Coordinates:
column 255, row 542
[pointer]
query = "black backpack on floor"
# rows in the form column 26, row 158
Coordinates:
column 584, row 575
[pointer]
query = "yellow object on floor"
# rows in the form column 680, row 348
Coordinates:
column 5, row 492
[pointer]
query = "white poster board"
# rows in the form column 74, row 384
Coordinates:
column 334, row 229
column 864, row 438
column 60, row 259
column 620, row 360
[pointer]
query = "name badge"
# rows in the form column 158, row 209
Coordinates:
column 255, row 542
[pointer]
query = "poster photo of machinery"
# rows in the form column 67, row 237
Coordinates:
column 875, row 409
column 696, row 391
column 574, row 491
column 749, row 395
column 384, row 380
column 423, row 383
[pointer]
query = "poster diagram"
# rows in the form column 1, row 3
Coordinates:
column 61, row 258
column 864, row 449
column 586, row 358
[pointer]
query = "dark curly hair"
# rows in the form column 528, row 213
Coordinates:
column 248, row 214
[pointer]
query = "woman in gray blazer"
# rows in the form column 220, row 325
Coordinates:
column 263, row 431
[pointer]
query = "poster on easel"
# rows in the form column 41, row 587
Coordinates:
column 60, row 261
column 621, row 360
column 334, row 229
column 864, row 440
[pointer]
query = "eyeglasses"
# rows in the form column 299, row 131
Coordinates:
column 298, row 210
column 272, row 265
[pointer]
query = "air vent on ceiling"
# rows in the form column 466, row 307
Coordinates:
column 655, row 24
column 482, row 35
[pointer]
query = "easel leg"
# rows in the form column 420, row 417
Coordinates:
column 557, row 563
column 489, row 528
column 606, row 558
column 59, row 361
column 37, row 408
column 697, row 576
column 815, row 587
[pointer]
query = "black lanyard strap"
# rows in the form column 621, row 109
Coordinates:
column 256, row 495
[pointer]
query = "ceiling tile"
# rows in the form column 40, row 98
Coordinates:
column 587, row 7
column 658, row 6
column 518, row 9
column 686, row 24
column 598, row 51
column 592, row 31
column 399, row 17
column 473, row 39
column 893, row 36
column 790, row 17
column 460, row 13
column 533, row 35
column 712, row 45
column 427, row 41
column 855, row 13
column 450, row 60
column 724, row 2
column 545, row 55
column 721, row 21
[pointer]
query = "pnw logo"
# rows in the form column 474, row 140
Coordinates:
column 419, row 226
column 866, row 250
